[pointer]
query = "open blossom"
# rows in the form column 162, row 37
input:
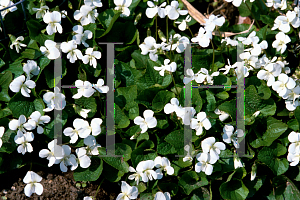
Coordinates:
column 53, row 20
column 123, row 5
column 40, row 12
column 81, row 36
column 229, row 136
column 84, row 89
column 154, row 9
column 236, row 3
column 173, row 11
column 189, row 154
column 283, row 84
column 294, row 138
column 86, row 15
column 19, row 124
column 68, row 159
column 213, row 21
column 4, row 4
column 205, row 163
column 281, row 41
column 54, row 155
column 251, row 39
column 71, row 48
column 83, row 159
column 200, row 122
column 36, row 119
column 54, row 100
column 91, row 145
column 31, row 68
column 177, row 42
column 148, row 122
column 23, row 141
column 136, row 176
column 80, row 130
column 166, row 67
column 91, row 57
column 32, row 180
column 203, row 38
column 96, row 3
column 209, row 145
column 223, row 115
column 162, row 196
column 51, row 51
column 283, row 22
column 18, row 84
column 15, row 42
column 146, row 167
column 100, row 87
column 230, row 41
column 149, row 46
column 163, row 164
column 269, row 74
column 183, row 24
column 128, row 192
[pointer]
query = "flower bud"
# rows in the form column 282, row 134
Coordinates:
column 253, row 172
column 162, row 36
column 148, row 32
column 137, row 18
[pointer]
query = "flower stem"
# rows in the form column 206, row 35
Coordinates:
column 69, row 19
column 191, row 31
column 98, row 188
column 156, row 28
column 213, row 61
column 210, row 192
column 167, row 29
column 253, row 16
column 79, row 5
column 175, row 85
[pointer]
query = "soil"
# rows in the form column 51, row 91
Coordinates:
column 61, row 186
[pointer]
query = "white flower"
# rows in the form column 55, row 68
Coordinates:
column 171, row 107
column 136, row 176
column 68, row 159
column 203, row 74
column 81, row 36
column 293, row 158
column 294, row 138
column 200, row 122
column 36, row 119
column 186, row 114
column 53, row 20
column 257, row 48
column 230, row 41
column 188, row 157
column 270, row 3
column 183, row 24
column 96, row 126
column 241, row 70
column 64, row 13
column 190, row 76
column 210, row 145
column 269, row 74
column 15, row 42
column 54, row 155
column 249, row 60
column 237, row 162
column 71, row 48
column 177, row 42
column 283, row 22
column 83, row 159
column 292, row 94
column 213, row 21
column 54, row 100
column 19, row 124
column 283, row 84
column 87, row 198
column 128, row 192
column 123, row 5
column 169, row 67
column 2, row 130
column 205, row 163
column 147, row 168
column 91, row 3
column 84, row 89
column 227, row 69
column 202, row 39
column 31, row 68
column 91, row 145
column 80, row 130
column 253, row 172
column 149, row 46
column 86, row 15
column 40, row 12
column 173, row 11
column 162, row 196
column 23, row 140
column 236, row 3
column 250, row 39
column 91, row 57
column 18, row 84
column 84, row 112
column 290, row 105
column 51, row 51
column 163, row 164
column 4, row 4
column 154, row 9
column 229, row 136
column 281, row 41
column 33, row 186
column 100, row 87
column 148, row 122
column 223, row 115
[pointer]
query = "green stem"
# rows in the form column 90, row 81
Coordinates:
column 79, row 5
column 210, row 192
column 253, row 16
column 98, row 188
column 69, row 19
column 175, row 85
column 191, row 31
column 167, row 29
column 213, row 61
column 156, row 28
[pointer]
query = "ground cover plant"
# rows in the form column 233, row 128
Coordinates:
column 151, row 79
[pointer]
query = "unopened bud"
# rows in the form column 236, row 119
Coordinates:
column 148, row 32
column 137, row 18
column 70, row 5
column 162, row 36
column 253, row 172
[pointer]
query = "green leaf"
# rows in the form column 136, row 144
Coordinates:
column 20, row 105
column 234, row 190
column 126, row 74
column 8, row 142
column 16, row 68
column 87, row 103
column 222, row 95
column 121, row 120
column 176, row 139
column 268, row 155
column 59, row 121
column 297, row 115
column 41, row 38
column 92, row 173
column 202, row 194
column 161, row 99
column 2, row 63
column 254, row 185
column 116, row 162
column 245, row 8
column 5, row 80
column 211, row 101
column 143, row 152
column 34, row 28
column 230, row 108
column 190, row 181
column 293, row 124
column 285, row 189
column 107, row 19
column 196, row 99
